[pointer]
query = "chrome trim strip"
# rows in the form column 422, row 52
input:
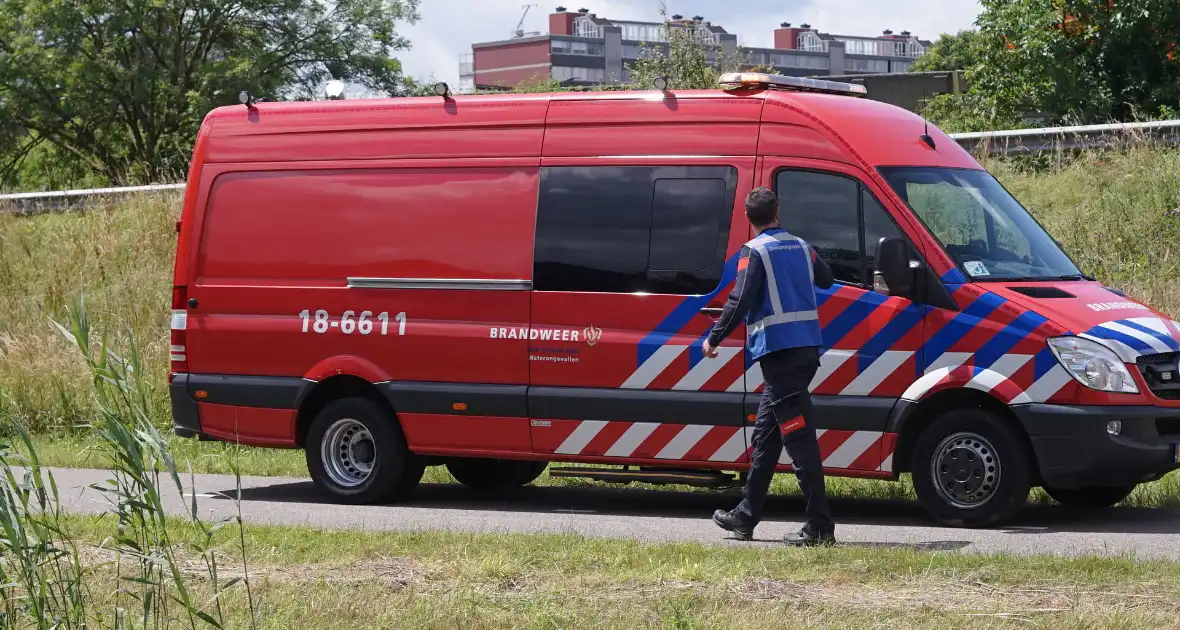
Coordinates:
column 454, row 284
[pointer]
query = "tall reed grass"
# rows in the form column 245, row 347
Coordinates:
column 45, row 579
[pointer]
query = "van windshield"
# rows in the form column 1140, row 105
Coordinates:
column 982, row 227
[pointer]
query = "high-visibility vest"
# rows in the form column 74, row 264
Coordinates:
column 785, row 315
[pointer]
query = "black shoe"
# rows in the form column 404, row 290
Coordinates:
column 807, row 538
column 729, row 522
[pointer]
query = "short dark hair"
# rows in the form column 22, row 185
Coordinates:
column 761, row 206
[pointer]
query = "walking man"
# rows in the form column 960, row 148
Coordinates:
column 775, row 295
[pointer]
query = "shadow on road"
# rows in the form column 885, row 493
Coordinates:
column 606, row 500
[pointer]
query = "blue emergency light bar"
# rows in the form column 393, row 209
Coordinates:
column 736, row 80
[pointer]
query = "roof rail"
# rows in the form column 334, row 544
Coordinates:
column 761, row 80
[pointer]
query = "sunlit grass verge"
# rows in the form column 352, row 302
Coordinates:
column 317, row 579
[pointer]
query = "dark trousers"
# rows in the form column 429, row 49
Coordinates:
column 786, row 400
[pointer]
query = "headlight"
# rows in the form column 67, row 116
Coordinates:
column 1093, row 364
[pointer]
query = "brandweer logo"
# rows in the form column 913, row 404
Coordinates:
column 592, row 335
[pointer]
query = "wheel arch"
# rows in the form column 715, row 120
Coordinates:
column 910, row 418
column 322, row 393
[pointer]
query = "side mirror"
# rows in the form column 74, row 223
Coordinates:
column 895, row 267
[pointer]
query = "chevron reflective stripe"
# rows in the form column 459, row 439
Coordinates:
column 581, row 436
column 851, row 450
column 1045, row 387
column 987, row 379
column 631, row 439
column 734, row 449
column 829, row 362
column 685, row 439
column 1125, row 352
column 1148, row 340
column 653, row 366
column 707, row 369
column 878, row 371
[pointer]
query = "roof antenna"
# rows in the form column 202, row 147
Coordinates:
column 925, row 137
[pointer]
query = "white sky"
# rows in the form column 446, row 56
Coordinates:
column 447, row 28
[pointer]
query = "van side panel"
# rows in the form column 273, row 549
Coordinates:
column 361, row 129
column 687, row 126
column 311, row 269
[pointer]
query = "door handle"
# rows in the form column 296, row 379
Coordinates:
column 713, row 311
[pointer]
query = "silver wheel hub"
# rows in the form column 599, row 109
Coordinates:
column 965, row 470
column 348, row 453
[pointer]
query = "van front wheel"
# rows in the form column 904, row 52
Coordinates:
column 971, row 469
column 357, row 453
column 493, row 474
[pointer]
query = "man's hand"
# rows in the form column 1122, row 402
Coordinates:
column 709, row 350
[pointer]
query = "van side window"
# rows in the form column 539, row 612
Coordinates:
column 839, row 217
column 822, row 209
column 628, row 229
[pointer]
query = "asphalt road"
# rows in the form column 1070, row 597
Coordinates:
column 613, row 512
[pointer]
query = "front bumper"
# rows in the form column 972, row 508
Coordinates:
column 1074, row 449
column 186, row 420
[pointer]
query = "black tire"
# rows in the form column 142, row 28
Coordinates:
column 1090, row 497
column 495, row 474
column 394, row 472
column 994, row 458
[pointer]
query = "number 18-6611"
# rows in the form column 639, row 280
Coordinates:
column 320, row 322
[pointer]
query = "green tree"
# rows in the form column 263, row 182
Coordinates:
column 1080, row 61
column 959, row 51
column 120, row 88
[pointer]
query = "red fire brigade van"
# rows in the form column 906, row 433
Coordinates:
column 499, row 283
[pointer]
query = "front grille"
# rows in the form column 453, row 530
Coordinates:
column 1162, row 373
column 1155, row 358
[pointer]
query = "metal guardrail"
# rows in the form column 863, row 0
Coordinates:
column 1016, row 141
column 1013, row 141
column 62, row 199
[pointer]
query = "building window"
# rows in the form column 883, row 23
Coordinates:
column 585, row 27
column 567, row 73
column 623, row 229
column 811, row 42
column 787, row 60
column 838, row 217
column 632, row 51
column 867, row 65
column 644, row 32
column 901, row 66
column 566, row 47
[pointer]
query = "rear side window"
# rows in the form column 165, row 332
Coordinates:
column 630, row 229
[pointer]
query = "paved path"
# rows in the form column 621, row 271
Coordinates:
column 658, row 515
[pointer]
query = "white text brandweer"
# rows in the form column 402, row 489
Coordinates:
column 545, row 334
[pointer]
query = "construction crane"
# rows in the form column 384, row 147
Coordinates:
column 519, row 32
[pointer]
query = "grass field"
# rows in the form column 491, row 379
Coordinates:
column 315, row 579
column 1113, row 212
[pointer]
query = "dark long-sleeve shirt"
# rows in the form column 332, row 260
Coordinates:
column 750, row 278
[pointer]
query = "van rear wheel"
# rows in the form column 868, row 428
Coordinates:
column 971, row 469
column 1090, row 497
column 356, row 452
column 495, row 474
